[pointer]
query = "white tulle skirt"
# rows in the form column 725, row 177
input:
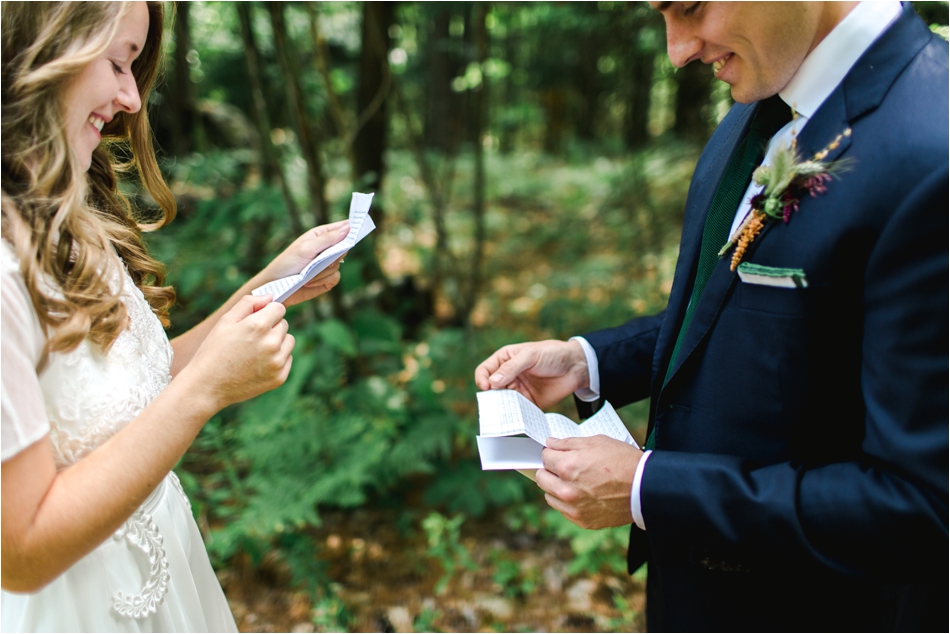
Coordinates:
column 153, row 575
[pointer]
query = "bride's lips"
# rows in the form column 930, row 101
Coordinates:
column 97, row 122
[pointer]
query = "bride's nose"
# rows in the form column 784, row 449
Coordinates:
column 128, row 98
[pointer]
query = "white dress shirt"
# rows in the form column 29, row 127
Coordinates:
column 818, row 76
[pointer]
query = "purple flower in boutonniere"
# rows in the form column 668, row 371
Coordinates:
column 784, row 183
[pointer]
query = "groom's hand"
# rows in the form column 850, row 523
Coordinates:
column 589, row 479
column 544, row 371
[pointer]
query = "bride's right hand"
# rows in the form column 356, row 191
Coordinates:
column 248, row 352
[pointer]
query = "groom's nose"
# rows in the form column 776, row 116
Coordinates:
column 683, row 44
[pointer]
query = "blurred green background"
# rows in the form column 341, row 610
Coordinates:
column 530, row 163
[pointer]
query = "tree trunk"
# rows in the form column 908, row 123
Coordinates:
column 374, row 81
column 441, row 124
column 306, row 136
column 186, row 130
column 637, row 115
column 479, row 124
column 588, row 78
column 694, row 83
column 270, row 162
column 323, row 65
column 554, row 101
column 438, row 187
column 509, row 127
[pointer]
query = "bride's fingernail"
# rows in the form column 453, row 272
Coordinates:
column 496, row 378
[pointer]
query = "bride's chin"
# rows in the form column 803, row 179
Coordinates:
column 84, row 159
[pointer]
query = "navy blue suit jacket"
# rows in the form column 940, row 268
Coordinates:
column 800, row 475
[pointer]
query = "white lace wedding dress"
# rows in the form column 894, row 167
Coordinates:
column 153, row 574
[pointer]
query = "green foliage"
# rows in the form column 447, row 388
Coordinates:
column 445, row 546
column 425, row 620
column 467, row 489
column 594, row 551
column 511, row 578
column 624, row 622
column 329, row 612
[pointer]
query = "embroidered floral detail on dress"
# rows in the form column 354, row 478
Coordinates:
column 141, row 531
column 91, row 396
column 174, row 478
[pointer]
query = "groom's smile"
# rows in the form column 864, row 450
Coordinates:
column 755, row 47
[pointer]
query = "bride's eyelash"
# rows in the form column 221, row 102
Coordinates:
column 118, row 68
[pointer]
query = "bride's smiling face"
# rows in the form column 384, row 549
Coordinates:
column 105, row 86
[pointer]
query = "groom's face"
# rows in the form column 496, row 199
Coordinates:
column 755, row 47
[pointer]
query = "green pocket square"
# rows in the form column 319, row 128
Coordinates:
column 751, row 273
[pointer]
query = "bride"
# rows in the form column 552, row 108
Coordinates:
column 97, row 404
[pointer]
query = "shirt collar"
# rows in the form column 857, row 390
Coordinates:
column 826, row 66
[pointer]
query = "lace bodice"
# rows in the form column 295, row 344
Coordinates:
column 90, row 396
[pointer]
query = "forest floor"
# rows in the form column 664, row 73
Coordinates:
column 387, row 583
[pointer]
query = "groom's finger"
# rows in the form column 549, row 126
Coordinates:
column 551, row 459
column 558, row 504
column 548, row 482
column 561, row 444
column 489, row 366
column 511, row 369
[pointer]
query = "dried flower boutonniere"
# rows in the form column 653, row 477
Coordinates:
column 786, row 181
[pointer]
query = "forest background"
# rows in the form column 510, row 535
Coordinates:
column 530, row 163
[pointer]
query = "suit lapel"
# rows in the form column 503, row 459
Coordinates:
column 829, row 122
column 860, row 92
column 705, row 180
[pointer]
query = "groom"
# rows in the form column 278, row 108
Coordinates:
column 795, row 472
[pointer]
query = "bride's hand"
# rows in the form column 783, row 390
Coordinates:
column 300, row 253
column 248, row 352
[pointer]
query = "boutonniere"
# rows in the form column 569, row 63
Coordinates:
column 785, row 182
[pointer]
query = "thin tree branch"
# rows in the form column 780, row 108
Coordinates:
column 309, row 144
column 323, row 65
column 261, row 120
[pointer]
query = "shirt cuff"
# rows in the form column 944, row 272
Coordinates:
column 635, row 509
column 591, row 393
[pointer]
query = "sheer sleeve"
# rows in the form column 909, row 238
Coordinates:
column 23, row 418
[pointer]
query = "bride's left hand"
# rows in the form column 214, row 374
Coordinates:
column 300, row 253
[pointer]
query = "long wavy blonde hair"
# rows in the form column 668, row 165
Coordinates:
column 66, row 224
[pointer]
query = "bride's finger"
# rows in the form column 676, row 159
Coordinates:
column 329, row 228
column 287, row 345
column 329, row 280
column 285, row 371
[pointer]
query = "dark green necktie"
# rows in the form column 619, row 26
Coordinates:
column 769, row 119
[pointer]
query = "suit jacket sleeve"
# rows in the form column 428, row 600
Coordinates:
column 883, row 512
column 625, row 360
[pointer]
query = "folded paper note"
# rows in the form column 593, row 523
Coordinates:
column 506, row 416
column 360, row 226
